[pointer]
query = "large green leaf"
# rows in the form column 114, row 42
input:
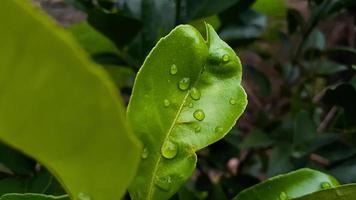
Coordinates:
column 344, row 192
column 58, row 107
column 287, row 186
column 32, row 197
column 187, row 95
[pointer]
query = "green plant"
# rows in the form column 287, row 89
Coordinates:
column 194, row 74
column 194, row 95
column 187, row 95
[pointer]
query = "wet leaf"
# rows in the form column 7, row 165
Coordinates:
column 343, row 192
column 288, row 186
column 187, row 95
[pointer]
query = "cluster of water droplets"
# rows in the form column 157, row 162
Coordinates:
column 169, row 149
column 323, row 185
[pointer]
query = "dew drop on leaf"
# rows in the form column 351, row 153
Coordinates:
column 145, row 153
column 169, row 150
column 173, row 69
column 83, row 196
column 184, row 83
column 195, row 93
column 325, row 185
column 218, row 129
column 163, row 183
column 166, row 103
column 199, row 115
column 190, row 105
column 225, row 58
column 283, row 196
column 232, row 101
column 197, row 128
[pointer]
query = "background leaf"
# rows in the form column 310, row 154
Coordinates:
column 59, row 108
column 287, row 186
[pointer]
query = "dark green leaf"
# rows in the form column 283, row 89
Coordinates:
column 250, row 25
column 256, row 139
column 202, row 8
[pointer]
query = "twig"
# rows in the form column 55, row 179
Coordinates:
column 323, row 125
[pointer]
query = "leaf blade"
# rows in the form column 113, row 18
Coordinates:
column 171, row 80
column 50, row 91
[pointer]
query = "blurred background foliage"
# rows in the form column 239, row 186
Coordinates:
column 299, row 62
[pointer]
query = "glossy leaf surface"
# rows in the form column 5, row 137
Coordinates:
column 59, row 108
column 343, row 192
column 287, row 186
column 187, row 95
column 32, row 197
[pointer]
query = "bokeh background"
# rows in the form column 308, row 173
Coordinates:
column 299, row 63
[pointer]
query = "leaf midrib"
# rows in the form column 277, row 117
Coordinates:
column 150, row 191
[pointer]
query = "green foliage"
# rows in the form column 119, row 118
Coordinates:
column 288, row 186
column 299, row 75
column 344, row 192
column 59, row 108
column 194, row 97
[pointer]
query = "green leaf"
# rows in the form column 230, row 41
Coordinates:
column 187, row 95
column 343, row 192
column 203, row 8
column 274, row 8
column 287, row 186
column 279, row 161
column 61, row 109
column 111, row 25
column 304, row 133
column 250, row 25
column 16, row 161
column 158, row 18
column 32, row 197
column 12, row 185
column 91, row 40
column 256, row 139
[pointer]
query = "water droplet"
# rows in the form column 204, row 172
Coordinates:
column 199, row 114
column 283, row 196
column 166, row 103
column 173, row 69
column 190, row 105
column 197, row 129
column 163, row 183
column 195, row 93
column 218, row 129
column 225, row 58
column 145, row 153
column 169, row 150
column 325, row 185
column 232, row 101
column 184, row 83
column 83, row 196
